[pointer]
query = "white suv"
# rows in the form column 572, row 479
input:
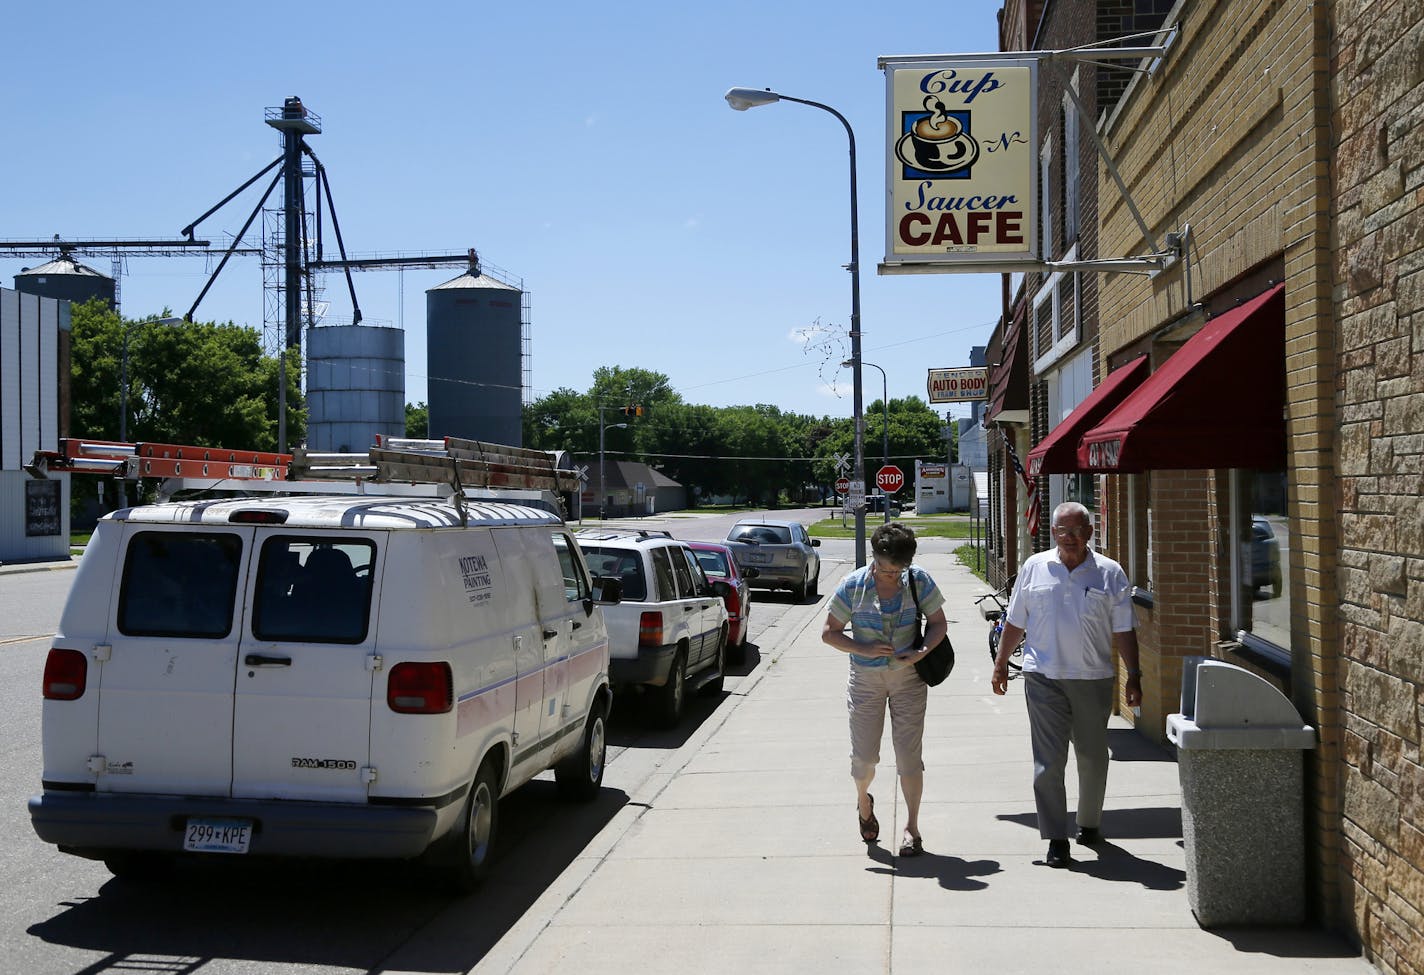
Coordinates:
column 669, row 631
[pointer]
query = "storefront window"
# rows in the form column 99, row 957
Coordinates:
column 1139, row 532
column 1261, row 543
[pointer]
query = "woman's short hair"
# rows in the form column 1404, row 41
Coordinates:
column 894, row 542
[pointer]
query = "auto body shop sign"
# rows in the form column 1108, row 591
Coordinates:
column 969, row 385
column 960, row 162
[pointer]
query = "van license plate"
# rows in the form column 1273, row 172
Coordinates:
column 759, row 557
column 217, row 835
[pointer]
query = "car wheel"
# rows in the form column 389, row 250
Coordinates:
column 470, row 845
column 816, row 584
column 1277, row 583
column 668, row 699
column 738, row 654
column 798, row 591
column 714, row 686
column 580, row 776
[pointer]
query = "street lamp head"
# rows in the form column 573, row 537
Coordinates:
column 742, row 99
column 848, row 364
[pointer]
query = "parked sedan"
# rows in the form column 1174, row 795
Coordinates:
column 1265, row 557
column 720, row 566
column 783, row 554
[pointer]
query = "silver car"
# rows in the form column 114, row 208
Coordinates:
column 782, row 553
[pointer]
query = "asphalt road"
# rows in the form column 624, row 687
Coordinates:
column 62, row 914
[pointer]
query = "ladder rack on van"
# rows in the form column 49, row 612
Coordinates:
column 401, row 466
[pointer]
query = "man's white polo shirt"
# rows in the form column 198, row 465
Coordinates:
column 1068, row 618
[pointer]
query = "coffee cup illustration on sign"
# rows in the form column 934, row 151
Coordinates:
column 937, row 142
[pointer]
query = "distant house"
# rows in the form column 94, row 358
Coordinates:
column 633, row 488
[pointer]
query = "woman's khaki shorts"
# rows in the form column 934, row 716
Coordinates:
column 867, row 694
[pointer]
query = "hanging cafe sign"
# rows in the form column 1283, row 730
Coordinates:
column 960, row 162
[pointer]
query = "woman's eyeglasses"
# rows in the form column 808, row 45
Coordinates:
column 886, row 569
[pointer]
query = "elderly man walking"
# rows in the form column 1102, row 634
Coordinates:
column 1071, row 607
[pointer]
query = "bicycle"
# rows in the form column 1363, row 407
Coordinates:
column 994, row 614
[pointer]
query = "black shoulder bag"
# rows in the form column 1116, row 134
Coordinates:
column 934, row 666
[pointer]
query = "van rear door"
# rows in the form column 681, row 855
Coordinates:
column 302, row 711
column 165, row 689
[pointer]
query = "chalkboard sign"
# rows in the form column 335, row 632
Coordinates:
column 42, row 508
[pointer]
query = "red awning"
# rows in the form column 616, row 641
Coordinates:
column 1217, row 402
column 1058, row 452
column 1008, row 375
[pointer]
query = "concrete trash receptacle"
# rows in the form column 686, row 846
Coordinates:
column 1239, row 757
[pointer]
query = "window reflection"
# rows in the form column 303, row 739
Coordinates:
column 1264, row 565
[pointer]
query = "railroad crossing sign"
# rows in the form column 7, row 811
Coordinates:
column 890, row 479
column 842, row 485
column 842, row 462
column 582, row 471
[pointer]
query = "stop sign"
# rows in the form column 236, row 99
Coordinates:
column 889, row 479
column 842, row 485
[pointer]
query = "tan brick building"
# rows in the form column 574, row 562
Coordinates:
column 1377, row 118
column 1230, row 135
column 1266, row 489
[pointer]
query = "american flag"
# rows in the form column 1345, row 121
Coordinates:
column 1030, row 488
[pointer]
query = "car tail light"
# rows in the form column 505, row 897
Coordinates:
column 650, row 630
column 734, row 603
column 65, row 674
column 418, row 688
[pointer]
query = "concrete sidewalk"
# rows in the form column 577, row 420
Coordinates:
column 743, row 854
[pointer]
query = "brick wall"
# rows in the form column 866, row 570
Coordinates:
column 1231, row 135
column 1378, row 95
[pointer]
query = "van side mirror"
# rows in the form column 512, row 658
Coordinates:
column 607, row 590
column 815, row 543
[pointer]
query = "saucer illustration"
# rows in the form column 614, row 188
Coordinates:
column 937, row 156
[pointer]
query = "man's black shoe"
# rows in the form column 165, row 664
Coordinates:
column 1058, row 854
column 1090, row 836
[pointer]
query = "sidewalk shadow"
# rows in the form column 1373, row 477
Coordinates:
column 1286, row 942
column 1128, row 745
column 1143, row 823
column 953, row 873
column 1116, row 864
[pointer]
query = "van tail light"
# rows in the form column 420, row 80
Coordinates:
column 650, row 630
column 420, row 688
column 65, row 674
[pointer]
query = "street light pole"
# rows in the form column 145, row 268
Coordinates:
column 602, row 467
column 885, row 427
column 124, row 391
column 742, row 99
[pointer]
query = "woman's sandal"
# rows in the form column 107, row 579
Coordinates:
column 869, row 825
column 911, row 847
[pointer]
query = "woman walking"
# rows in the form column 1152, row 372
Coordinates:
column 877, row 602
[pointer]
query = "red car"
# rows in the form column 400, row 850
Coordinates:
column 718, row 564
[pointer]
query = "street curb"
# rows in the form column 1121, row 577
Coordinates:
column 55, row 565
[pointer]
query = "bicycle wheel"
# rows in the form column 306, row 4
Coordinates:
column 1016, row 658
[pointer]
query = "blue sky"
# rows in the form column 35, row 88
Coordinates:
column 583, row 148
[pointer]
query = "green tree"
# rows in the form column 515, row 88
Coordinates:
column 417, row 420
column 190, row 383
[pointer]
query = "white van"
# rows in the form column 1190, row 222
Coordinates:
column 319, row 677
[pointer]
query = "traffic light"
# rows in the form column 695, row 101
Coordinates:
column 633, row 410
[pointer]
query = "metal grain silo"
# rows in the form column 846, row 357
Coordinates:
column 66, row 279
column 474, row 364
column 355, row 386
